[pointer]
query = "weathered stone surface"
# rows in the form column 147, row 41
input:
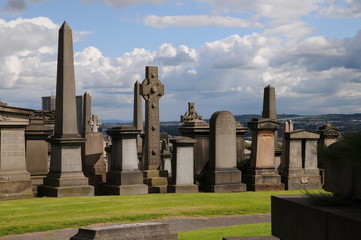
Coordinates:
column 295, row 218
column 65, row 177
column 222, row 174
column 124, row 176
column 182, row 166
column 15, row 180
column 191, row 114
column 138, row 116
column 130, row 231
column 152, row 90
column 269, row 103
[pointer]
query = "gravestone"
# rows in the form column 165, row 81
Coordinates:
column 240, row 132
column 65, row 177
column 194, row 127
column 152, row 90
column 128, row 231
column 222, row 174
column 182, row 180
column 262, row 175
column 138, row 117
column 15, row 182
column 166, row 156
column 93, row 162
column 36, row 134
column 300, row 167
column 124, row 178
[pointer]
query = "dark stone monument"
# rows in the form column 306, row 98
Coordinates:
column 222, row 174
column 152, row 90
column 124, row 178
column 66, row 177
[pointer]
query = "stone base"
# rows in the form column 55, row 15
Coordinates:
column 302, row 179
column 130, row 231
column 295, row 218
column 157, row 180
column 223, row 180
column 125, row 182
column 36, row 180
column 69, row 185
column 263, row 180
column 187, row 188
column 10, row 190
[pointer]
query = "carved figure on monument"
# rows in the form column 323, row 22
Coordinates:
column 191, row 114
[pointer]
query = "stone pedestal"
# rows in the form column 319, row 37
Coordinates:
column 198, row 130
column 15, row 180
column 124, row 178
column 37, row 151
column 300, row 161
column 222, row 174
column 262, row 175
column 182, row 180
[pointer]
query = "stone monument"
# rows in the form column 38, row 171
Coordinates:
column 182, row 180
column 194, row 127
column 36, row 134
column 222, row 174
column 93, row 163
column 65, row 177
column 124, row 178
column 262, row 175
column 152, row 90
column 15, row 182
column 300, row 162
column 138, row 117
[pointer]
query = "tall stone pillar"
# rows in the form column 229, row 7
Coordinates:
column 37, row 165
column 124, row 178
column 138, row 117
column 182, row 166
column 152, row 90
column 222, row 174
column 262, row 175
column 65, row 177
column 15, row 180
column 300, row 162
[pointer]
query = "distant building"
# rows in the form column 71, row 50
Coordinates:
column 48, row 103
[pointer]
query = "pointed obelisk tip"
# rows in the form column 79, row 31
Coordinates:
column 65, row 26
column 269, row 86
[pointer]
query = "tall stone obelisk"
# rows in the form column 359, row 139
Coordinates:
column 138, row 116
column 269, row 103
column 65, row 177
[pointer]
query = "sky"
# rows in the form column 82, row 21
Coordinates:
column 218, row 54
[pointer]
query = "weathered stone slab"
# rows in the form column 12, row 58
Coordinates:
column 131, row 231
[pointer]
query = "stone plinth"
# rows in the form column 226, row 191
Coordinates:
column 182, row 180
column 15, row 182
column 124, row 178
column 295, row 218
column 222, row 174
column 65, row 177
column 262, row 175
column 300, row 161
column 37, row 151
column 198, row 130
column 128, row 231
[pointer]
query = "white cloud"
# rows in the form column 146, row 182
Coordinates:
column 198, row 21
column 16, row 6
column 343, row 9
column 127, row 3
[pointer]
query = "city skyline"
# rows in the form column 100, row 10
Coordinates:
column 219, row 55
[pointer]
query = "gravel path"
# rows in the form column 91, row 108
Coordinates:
column 178, row 224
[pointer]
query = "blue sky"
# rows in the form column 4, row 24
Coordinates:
column 218, row 54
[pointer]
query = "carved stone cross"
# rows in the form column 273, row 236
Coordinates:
column 152, row 90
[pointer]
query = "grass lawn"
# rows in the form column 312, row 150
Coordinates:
column 41, row 214
column 257, row 229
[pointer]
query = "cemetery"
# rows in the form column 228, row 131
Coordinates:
column 58, row 157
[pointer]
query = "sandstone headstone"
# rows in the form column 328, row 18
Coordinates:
column 262, row 175
column 124, row 178
column 222, row 174
column 182, row 166
column 66, row 177
column 15, row 180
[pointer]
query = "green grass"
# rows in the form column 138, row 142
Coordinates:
column 258, row 229
column 41, row 214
